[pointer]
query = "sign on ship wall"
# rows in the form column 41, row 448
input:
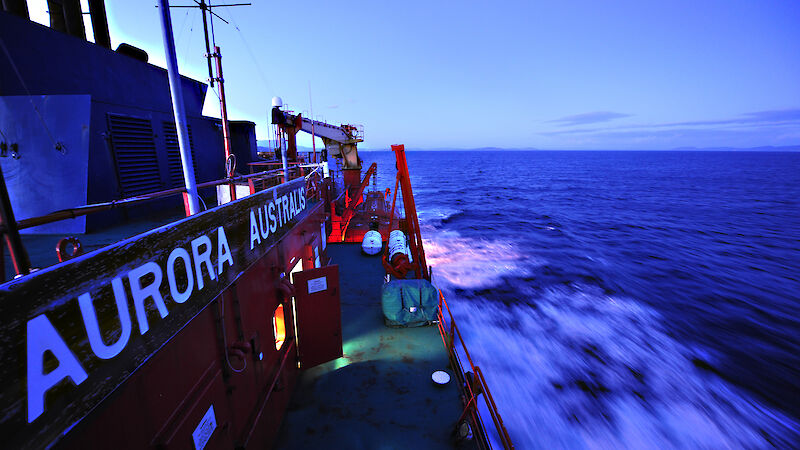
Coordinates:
column 74, row 332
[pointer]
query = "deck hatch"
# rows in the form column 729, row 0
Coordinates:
column 135, row 154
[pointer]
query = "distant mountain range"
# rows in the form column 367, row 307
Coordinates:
column 787, row 148
column 766, row 148
column 264, row 145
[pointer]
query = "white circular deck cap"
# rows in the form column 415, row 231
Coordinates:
column 277, row 101
column 440, row 377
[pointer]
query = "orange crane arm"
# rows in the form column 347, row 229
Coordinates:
column 353, row 202
column 412, row 221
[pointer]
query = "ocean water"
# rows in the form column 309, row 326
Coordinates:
column 623, row 299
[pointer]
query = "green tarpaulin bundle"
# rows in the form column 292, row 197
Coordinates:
column 409, row 303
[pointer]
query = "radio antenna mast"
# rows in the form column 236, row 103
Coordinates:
column 230, row 160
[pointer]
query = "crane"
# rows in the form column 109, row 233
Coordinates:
column 340, row 140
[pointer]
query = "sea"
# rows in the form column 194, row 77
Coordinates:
column 622, row 299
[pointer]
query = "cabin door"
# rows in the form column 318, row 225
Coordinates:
column 319, row 316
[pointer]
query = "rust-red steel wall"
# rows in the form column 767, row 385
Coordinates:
column 165, row 400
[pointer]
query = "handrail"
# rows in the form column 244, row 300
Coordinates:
column 275, row 163
column 84, row 210
column 448, row 340
column 78, row 211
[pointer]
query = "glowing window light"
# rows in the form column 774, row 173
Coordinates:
column 279, row 327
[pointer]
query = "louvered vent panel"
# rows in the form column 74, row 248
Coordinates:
column 135, row 151
column 174, row 153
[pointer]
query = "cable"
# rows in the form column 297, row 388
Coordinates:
column 250, row 51
column 225, row 339
column 211, row 16
column 214, row 90
column 188, row 41
column 183, row 26
column 230, row 164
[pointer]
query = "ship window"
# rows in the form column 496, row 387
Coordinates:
column 279, row 327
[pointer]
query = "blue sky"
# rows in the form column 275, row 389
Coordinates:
column 545, row 74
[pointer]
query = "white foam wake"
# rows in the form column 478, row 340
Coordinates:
column 579, row 369
column 571, row 367
column 471, row 263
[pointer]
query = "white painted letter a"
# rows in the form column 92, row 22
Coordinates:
column 41, row 337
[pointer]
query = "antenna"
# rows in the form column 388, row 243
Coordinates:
column 311, row 111
column 207, row 7
column 230, row 159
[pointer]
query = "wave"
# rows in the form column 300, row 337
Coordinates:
column 472, row 263
column 587, row 290
column 572, row 367
column 436, row 217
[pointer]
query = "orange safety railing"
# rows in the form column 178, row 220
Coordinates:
column 475, row 386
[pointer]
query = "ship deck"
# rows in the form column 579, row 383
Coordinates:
column 41, row 247
column 380, row 393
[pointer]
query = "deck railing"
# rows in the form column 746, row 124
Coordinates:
column 257, row 181
column 71, row 213
column 475, row 383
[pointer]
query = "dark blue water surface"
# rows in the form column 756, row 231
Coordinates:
column 623, row 299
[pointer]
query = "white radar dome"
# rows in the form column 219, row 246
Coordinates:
column 277, row 101
column 372, row 243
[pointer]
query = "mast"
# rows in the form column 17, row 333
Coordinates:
column 313, row 137
column 191, row 199
column 226, row 130
column 208, row 46
column 230, row 161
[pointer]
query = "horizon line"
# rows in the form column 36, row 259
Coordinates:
column 783, row 148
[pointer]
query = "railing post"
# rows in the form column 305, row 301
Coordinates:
column 10, row 231
column 451, row 338
column 470, row 404
column 474, row 381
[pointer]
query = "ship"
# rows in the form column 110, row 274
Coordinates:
column 172, row 286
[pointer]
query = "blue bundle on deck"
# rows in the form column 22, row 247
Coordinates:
column 409, row 303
